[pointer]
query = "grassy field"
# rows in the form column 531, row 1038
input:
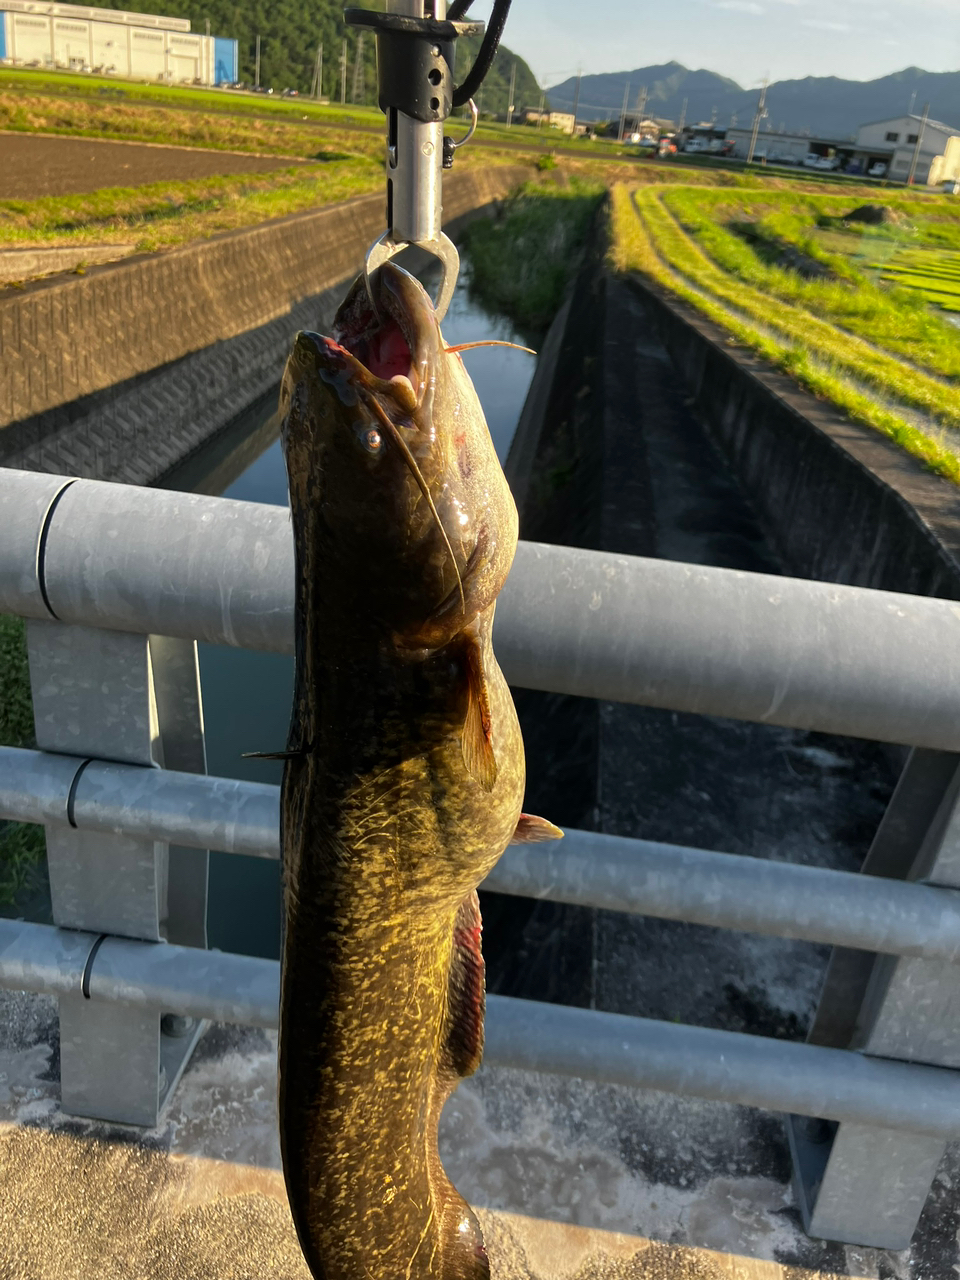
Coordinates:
column 164, row 214
column 22, row 847
column 787, row 275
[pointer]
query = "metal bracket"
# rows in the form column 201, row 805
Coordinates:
column 113, row 695
column 861, row 1185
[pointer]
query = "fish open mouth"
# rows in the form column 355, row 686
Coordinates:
column 388, row 349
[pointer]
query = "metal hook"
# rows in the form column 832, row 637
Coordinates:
column 443, row 249
column 474, row 117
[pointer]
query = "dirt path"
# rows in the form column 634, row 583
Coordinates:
column 34, row 165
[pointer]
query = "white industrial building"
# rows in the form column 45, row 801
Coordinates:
column 894, row 143
column 141, row 46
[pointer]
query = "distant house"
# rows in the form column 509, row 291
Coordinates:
column 894, row 142
column 562, row 120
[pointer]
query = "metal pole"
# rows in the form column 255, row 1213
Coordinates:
column 513, row 85
column 811, row 655
column 576, row 101
column 724, row 890
column 758, row 116
column 623, row 111
column 256, row 80
column 639, row 1053
column 343, row 75
column 919, row 144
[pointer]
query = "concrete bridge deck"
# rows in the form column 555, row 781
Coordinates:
column 202, row 1197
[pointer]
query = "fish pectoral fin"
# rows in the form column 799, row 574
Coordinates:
column 477, row 739
column 466, row 993
column 534, row 830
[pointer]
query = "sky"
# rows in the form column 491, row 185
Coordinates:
column 743, row 39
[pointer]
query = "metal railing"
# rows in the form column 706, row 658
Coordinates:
column 120, row 582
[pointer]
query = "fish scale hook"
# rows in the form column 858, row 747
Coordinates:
column 415, row 48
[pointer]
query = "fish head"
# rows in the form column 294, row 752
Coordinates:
column 411, row 521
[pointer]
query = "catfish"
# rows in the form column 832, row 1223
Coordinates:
column 403, row 781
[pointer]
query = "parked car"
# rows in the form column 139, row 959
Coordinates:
column 878, row 170
column 828, row 162
column 695, row 144
column 290, row 93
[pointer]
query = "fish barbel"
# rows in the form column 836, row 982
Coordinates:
column 403, row 782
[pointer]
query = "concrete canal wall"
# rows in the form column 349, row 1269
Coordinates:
column 839, row 501
column 121, row 373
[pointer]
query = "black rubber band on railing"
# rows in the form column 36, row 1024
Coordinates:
column 42, row 548
column 88, row 967
column 72, row 793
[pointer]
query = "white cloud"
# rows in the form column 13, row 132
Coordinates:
column 740, row 6
column 820, row 24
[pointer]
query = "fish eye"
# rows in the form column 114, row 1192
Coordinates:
column 371, row 440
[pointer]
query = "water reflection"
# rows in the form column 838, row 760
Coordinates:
column 247, row 695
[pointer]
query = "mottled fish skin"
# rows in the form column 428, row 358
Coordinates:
column 388, row 821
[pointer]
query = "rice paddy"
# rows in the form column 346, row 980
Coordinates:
column 857, row 313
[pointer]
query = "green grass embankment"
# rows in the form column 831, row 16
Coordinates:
column 161, row 215
column 523, row 260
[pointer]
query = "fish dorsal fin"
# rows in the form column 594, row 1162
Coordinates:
column 477, row 740
column 533, row 830
column 465, row 992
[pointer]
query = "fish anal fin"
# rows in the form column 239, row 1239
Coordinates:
column 477, row 740
column 534, row 830
column 466, row 992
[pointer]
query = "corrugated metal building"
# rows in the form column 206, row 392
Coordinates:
column 141, row 46
column 895, row 141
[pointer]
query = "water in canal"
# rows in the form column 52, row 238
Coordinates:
column 247, row 696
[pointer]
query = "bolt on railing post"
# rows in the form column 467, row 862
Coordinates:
column 118, row 696
column 864, row 1185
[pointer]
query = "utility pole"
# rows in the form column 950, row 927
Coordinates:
column 513, row 85
column 359, row 85
column 256, row 76
column 318, row 73
column 641, row 106
column 916, row 149
column 208, row 60
column 913, row 99
column 623, row 111
column 343, row 75
column 761, row 112
column 540, row 112
column 683, row 116
column 576, row 101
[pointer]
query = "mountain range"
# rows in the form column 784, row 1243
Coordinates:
column 824, row 106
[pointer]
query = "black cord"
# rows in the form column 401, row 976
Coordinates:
column 458, row 9
column 488, row 50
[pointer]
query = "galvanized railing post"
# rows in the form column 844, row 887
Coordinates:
column 110, row 695
column 861, row 1184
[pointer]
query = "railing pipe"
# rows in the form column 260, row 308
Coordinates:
column 614, row 873
column 641, row 1053
column 808, row 655
column 730, row 891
